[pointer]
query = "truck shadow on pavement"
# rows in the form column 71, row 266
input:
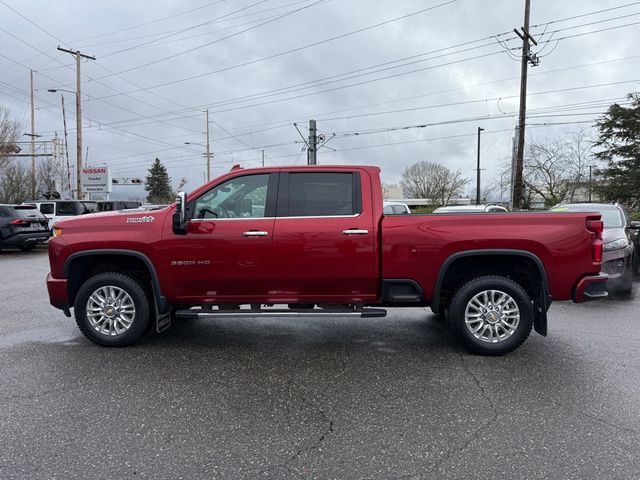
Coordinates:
column 418, row 330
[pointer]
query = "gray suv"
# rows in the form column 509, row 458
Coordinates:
column 618, row 255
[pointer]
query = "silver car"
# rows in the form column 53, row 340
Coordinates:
column 618, row 254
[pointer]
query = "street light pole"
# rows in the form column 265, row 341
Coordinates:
column 478, row 172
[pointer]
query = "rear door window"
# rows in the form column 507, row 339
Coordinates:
column 320, row 194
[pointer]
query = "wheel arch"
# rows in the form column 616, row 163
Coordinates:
column 523, row 267
column 82, row 265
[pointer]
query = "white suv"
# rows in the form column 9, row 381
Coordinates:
column 54, row 210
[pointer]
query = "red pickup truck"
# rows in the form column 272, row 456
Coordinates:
column 314, row 239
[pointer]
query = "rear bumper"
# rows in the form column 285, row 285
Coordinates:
column 24, row 239
column 592, row 287
column 58, row 294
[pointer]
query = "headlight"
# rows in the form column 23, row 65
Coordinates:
column 57, row 231
column 616, row 244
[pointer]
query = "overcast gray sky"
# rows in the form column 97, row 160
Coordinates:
column 364, row 70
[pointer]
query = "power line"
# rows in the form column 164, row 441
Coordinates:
column 235, row 17
column 219, row 39
column 303, row 47
column 150, row 22
column 226, row 15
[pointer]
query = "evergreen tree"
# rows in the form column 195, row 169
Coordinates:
column 618, row 144
column 158, row 184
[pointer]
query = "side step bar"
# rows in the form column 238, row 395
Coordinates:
column 362, row 313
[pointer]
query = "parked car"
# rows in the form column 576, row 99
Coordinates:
column 618, row 239
column 396, row 208
column 470, row 209
column 22, row 226
column 54, row 210
column 110, row 205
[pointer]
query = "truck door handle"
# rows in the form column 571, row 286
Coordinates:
column 254, row 233
column 355, row 231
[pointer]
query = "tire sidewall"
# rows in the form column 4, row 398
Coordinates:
column 472, row 288
column 134, row 290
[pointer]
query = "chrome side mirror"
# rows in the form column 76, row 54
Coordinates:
column 180, row 215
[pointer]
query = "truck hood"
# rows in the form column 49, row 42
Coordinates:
column 115, row 220
column 611, row 234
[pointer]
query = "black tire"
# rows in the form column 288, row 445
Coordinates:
column 27, row 248
column 141, row 318
column 467, row 292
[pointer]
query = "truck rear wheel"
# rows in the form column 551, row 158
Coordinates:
column 112, row 310
column 491, row 315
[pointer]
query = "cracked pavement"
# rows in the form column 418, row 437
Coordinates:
column 389, row 398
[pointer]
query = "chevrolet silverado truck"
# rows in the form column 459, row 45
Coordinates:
column 314, row 241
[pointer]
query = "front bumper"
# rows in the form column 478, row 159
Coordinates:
column 591, row 287
column 616, row 267
column 58, row 293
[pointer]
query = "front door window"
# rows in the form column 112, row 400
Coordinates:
column 241, row 197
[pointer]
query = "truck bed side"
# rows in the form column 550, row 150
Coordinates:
column 418, row 246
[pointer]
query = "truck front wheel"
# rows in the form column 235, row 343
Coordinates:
column 491, row 315
column 112, row 309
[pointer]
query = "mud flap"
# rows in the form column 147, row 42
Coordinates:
column 539, row 318
column 163, row 322
column 162, row 310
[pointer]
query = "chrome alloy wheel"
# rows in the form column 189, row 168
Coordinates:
column 492, row 316
column 110, row 310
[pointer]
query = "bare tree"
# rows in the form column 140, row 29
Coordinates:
column 9, row 134
column 46, row 174
column 15, row 183
column 549, row 177
column 433, row 181
column 578, row 148
column 555, row 170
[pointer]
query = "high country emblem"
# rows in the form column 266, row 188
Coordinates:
column 147, row 219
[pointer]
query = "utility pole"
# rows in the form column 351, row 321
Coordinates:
column 208, row 154
column 263, row 157
column 478, row 175
column 78, row 56
column 590, row 180
column 33, row 136
column 518, row 187
column 312, row 158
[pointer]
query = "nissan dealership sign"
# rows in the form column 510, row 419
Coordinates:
column 96, row 180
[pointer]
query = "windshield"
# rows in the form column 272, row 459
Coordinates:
column 611, row 216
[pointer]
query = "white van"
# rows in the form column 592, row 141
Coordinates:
column 54, row 210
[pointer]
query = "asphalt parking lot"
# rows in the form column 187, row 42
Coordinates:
column 389, row 398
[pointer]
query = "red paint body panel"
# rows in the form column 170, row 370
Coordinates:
column 227, row 266
column 417, row 246
column 308, row 259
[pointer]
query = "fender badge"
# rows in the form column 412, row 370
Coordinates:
column 147, row 219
